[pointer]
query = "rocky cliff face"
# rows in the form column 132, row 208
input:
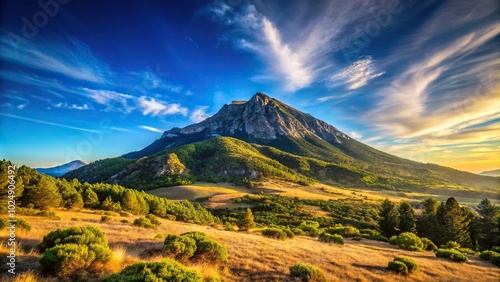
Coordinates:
column 262, row 118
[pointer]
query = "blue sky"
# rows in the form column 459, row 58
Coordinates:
column 95, row 79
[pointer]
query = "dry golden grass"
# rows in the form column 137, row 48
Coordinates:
column 253, row 257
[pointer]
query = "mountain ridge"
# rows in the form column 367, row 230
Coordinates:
column 271, row 131
column 62, row 169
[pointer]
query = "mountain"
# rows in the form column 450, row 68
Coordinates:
column 494, row 173
column 263, row 137
column 61, row 169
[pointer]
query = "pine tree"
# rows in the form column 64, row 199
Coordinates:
column 389, row 218
column 129, row 202
column 44, row 194
column 486, row 227
column 107, row 204
column 174, row 165
column 427, row 225
column 407, row 222
column 452, row 223
column 90, row 198
column 247, row 222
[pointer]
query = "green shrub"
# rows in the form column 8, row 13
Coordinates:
column 298, row 232
column 452, row 245
column 307, row 272
column 105, row 218
column 393, row 240
column 197, row 236
column 74, row 251
column 124, row 213
column 398, row 266
column 180, row 247
column 144, row 222
column 67, row 259
column 496, row 249
column 410, row 264
column 289, row 233
column 310, row 227
column 344, row 231
column 428, row 244
column 211, row 252
column 466, row 251
column 451, row 254
column 165, row 270
column 410, row 241
column 154, row 220
column 328, row 238
column 487, row 255
column 124, row 221
column 49, row 214
column 73, row 235
column 274, row 233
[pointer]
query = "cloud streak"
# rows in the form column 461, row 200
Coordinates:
column 49, row 123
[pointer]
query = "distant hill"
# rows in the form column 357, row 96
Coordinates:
column 494, row 173
column 264, row 137
column 61, row 169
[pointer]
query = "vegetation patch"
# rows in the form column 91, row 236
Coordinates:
column 451, row 254
column 274, row 233
column 329, row 238
column 306, row 272
column 195, row 246
column 165, row 270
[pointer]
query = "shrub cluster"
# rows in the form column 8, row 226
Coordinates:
column 306, row 272
column 403, row 265
column 144, row 222
column 274, row 233
column 75, row 250
column 451, row 254
column 344, row 231
column 491, row 256
column 373, row 235
column 164, row 270
column 329, row 238
column 20, row 224
column 408, row 241
column 195, row 245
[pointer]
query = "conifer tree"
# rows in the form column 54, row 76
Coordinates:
column 247, row 222
column 44, row 194
column 486, row 226
column 452, row 223
column 407, row 222
column 389, row 218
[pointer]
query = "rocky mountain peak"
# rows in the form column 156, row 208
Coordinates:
column 259, row 119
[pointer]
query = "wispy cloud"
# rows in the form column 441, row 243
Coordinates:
column 49, row 123
column 199, row 114
column 65, row 105
column 73, row 60
column 356, row 75
column 149, row 128
column 113, row 101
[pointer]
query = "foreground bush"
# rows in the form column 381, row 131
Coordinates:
column 195, row 246
column 487, row 255
column 398, row 267
column 328, row 238
column 409, row 241
column 74, row 251
column 307, row 272
column 495, row 259
column 165, row 270
column 274, row 233
column 451, row 254
column 73, row 235
column 144, row 222
column 211, row 252
column 180, row 247
column 373, row 235
column 410, row 264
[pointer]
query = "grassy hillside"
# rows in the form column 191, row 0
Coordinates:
column 251, row 256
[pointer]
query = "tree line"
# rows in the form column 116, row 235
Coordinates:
column 40, row 191
column 442, row 222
